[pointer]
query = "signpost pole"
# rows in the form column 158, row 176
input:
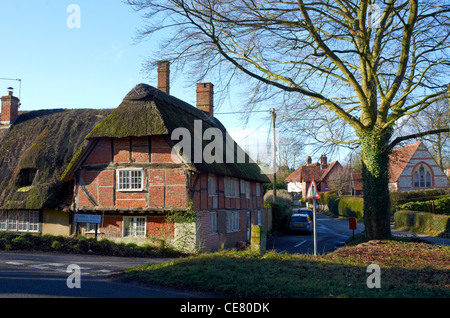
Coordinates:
column 314, row 227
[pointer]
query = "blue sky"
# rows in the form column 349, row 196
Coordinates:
column 93, row 66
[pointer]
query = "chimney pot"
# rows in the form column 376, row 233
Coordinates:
column 205, row 98
column 164, row 76
column 10, row 108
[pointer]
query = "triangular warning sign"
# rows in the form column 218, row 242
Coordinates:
column 312, row 191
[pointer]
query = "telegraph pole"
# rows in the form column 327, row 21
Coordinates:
column 274, row 155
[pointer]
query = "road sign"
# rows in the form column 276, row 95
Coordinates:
column 88, row 218
column 312, row 191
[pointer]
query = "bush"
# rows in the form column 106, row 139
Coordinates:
column 439, row 206
column 351, row 207
column 423, row 222
column 400, row 197
column 21, row 243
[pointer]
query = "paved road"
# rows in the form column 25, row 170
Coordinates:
column 331, row 234
column 35, row 275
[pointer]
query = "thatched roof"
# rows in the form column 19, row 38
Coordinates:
column 147, row 111
column 44, row 141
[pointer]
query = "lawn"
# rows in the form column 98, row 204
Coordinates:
column 408, row 269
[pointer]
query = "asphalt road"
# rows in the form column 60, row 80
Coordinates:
column 331, row 234
column 42, row 275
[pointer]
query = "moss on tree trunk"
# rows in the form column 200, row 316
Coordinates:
column 375, row 161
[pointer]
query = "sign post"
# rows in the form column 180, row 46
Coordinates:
column 352, row 225
column 313, row 194
column 87, row 218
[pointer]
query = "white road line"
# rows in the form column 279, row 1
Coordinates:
column 14, row 263
column 300, row 243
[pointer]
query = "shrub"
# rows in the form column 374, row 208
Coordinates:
column 56, row 245
column 21, row 243
column 351, row 207
column 423, row 222
column 439, row 206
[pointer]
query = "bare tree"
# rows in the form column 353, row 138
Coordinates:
column 340, row 181
column 347, row 70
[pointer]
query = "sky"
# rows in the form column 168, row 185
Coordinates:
column 83, row 54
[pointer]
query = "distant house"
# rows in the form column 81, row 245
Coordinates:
column 300, row 180
column 413, row 168
column 126, row 166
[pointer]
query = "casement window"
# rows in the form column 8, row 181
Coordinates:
column 213, row 222
column 130, row 180
column 258, row 189
column 19, row 221
column 247, row 189
column 134, row 225
column 232, row 221
column 212, row 185
column 231, row 187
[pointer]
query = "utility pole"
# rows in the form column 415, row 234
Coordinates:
column 274, row 155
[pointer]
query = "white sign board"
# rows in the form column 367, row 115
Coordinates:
column 87, row 218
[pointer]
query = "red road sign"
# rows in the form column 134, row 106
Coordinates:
column 352, row 223
column 312, row 191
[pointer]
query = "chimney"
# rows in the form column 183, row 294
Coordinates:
column 308, row 160
column 205, row 98
column 10, row 108
column 323, row 162
column 164, row 76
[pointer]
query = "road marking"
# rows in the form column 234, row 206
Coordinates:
column 14, row 263
column 300, row 243
column 40, row 266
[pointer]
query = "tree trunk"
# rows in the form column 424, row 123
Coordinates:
column 375, row 173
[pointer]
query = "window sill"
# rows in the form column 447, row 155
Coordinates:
column 130, row 190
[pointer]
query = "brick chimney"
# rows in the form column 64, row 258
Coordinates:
column 205, row 98
column 323, row 162
column 164, row 76
column 308, row 160
column 10, row 108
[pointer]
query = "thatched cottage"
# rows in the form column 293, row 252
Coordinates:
column 129, row 166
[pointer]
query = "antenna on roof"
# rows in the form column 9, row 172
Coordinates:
column 14, row 79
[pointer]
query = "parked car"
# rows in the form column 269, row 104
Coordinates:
column 300, row 222
column 303, row 211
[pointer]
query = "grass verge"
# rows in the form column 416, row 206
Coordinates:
column 408, row 269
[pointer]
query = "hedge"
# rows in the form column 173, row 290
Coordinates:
column 342, row 206
column 351, row 207
column 79, row 245
column 439, row 206
column 423, row 222
column 402, row 197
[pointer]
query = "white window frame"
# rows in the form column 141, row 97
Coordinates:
column 133, row 227
column 19, row 221
column 120, row 184
column 233, row 221
column 231, row 186
column 3, row 220
column 213, row 222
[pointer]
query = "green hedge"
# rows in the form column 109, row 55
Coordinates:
column 439, row 206
column 79, row 245
column 402, row 197
column 351, row 207
column 342, row 206
column 423, row 222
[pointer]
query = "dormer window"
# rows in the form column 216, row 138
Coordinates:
column 26, row 177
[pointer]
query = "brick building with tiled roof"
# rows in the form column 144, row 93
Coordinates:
column 413, row 168
column 300, row 179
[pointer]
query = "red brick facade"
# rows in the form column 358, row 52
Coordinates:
column 167, row 184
